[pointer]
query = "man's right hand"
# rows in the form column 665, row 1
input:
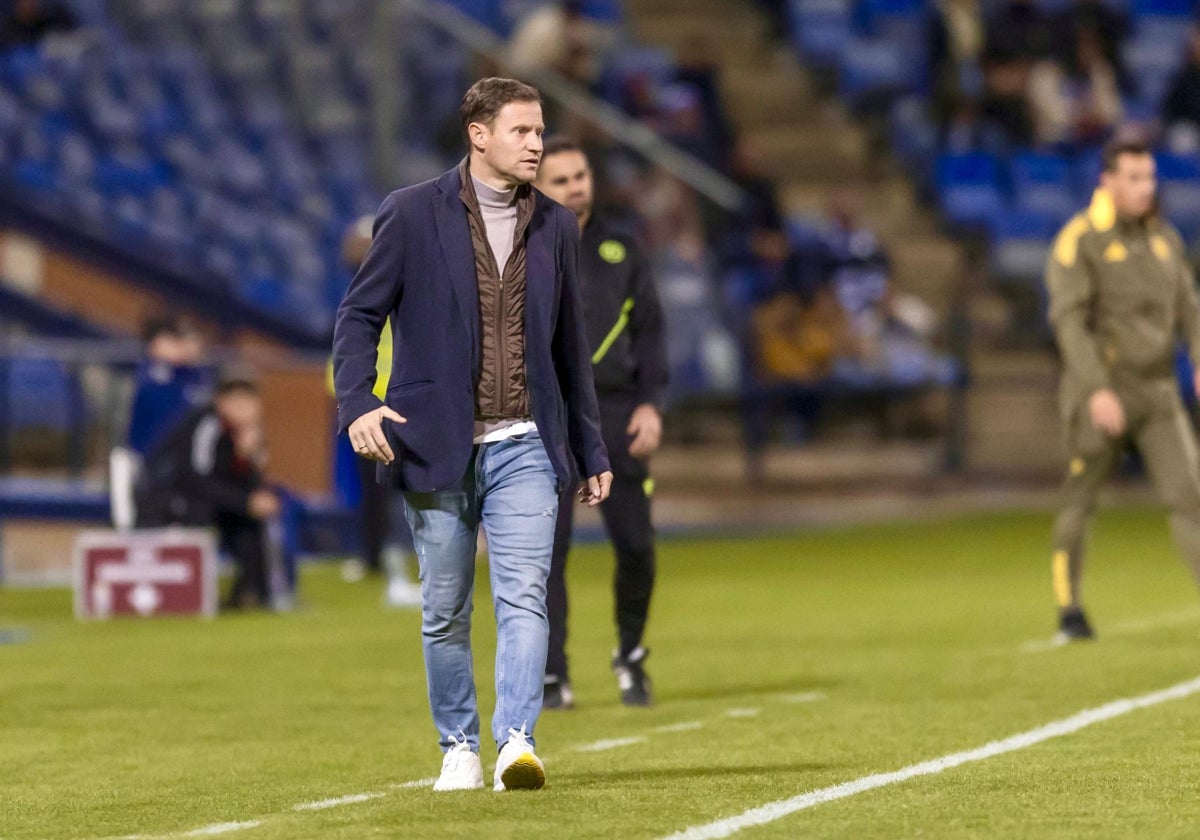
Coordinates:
column 1107, row 413
column 263, row 504
column 367, row 437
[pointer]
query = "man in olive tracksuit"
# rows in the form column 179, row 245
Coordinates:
column 624, row 329
column 1121, row 292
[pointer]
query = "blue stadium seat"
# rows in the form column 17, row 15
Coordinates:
column 1152, row 64
column 913, row 135
column 1180, row 203
column 1041, row 184
column 902, row 22
column 1020, row 244
column 878, row 65
column 968, row 188
column 487, row 12
column 606, row 11
column 35, row 175
column 1165, row 8
column 41, row 395
column 821, row 29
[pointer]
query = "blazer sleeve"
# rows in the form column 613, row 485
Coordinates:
column 372, row 295
column 573, row 360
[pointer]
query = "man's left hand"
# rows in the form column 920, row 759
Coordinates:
column 596, row 489
column 1196, row 383
column 645, row 426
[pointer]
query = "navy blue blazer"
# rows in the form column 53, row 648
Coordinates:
column 420, row 271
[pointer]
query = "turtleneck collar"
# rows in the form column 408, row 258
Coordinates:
column 492, row 197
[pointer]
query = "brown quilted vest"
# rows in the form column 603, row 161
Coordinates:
column 501, row 393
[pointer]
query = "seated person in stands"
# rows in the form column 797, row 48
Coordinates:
column 1079, row 102
column 889, row 331
column 208, row 472
column 29, row 21
column 1181, row 111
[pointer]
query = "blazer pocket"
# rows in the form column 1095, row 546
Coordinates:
column 410, row 387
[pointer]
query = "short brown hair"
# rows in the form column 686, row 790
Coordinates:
column 560, row 143
column 487, row 97
column 1114, row 149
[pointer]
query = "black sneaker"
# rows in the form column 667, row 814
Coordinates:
column 632, row 678
column 557, row 694
column 1073, row 626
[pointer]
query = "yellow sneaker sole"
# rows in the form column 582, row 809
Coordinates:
column 526, row 773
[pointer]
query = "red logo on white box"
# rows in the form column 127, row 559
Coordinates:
column 170, row 571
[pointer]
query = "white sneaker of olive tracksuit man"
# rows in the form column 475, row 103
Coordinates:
column 518, row 767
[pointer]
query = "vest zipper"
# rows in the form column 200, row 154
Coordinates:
column 501, row 354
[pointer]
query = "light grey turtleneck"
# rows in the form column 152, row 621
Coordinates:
column 499, row 210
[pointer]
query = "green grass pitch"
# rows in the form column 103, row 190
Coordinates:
column 782, row 664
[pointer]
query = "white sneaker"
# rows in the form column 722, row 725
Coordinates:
column 401, row 594
column 461, row 768
column 518, row 767
column 353, row 570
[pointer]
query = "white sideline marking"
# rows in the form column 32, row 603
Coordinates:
column 1141, row 625
column 322, row 804
column 1129, row 627
column 742, row 713
column 782, row 808
column 611, row 744
column 419, row 783
column 804, row 697
column 222, row 828
column 686, row 726
column 1043, row 645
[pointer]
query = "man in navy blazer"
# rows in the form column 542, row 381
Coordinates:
column 490, row 411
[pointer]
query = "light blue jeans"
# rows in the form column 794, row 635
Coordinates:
column 509, row 489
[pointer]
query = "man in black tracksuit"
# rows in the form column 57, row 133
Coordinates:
column 624, row 327
column 206, row 472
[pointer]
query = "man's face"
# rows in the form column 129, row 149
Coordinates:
column 567, row 178
column 1132, row 184
column 240, row 410
column 176, row 349
column 512, row 147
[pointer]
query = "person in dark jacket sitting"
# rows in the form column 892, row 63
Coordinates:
column 208, row 472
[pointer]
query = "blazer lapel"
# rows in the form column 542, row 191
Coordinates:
column 454, row 239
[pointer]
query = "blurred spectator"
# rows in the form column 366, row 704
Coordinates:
column 682, row 122
column 955, row 47
column 559, row 37
column 777, row 14
column 1019, row 29
column 29, row 21
column 208, row 472
column 170, row 382
column 859, row 272
column 857, row 268
column 756, row 230
column 1079, row 103
column 1106, row 23
column 1004, row 108
column 969, row 130
column 694, row 68
column 798, row 337
column 1181, row 110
